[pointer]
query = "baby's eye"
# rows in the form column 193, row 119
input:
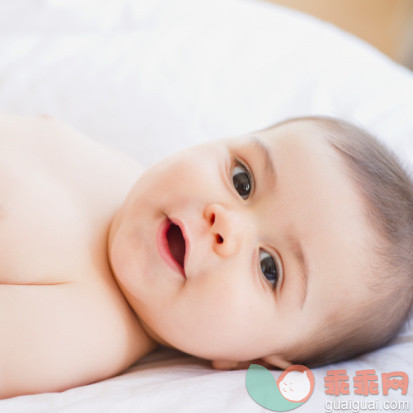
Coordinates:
column 269, row 268
column 242, row 181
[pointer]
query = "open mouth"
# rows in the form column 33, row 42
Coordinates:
column 176, row 244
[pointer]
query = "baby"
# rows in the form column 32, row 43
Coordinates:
column 289, row 245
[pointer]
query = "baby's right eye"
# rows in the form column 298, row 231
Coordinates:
column 269, row 268
column 242, row 180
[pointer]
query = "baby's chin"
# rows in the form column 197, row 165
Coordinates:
column 114, row 227
column 155, row 337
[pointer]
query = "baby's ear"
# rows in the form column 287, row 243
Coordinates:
column 277, row 361
column 224, row 364
column 240, row 365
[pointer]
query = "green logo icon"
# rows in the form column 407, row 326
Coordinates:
column 293, row 388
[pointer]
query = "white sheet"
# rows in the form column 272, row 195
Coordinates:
column 152, row 77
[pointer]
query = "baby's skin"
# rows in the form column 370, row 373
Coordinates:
column 63, row 320
column 88, row 282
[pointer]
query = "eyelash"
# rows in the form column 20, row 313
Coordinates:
column 237, row 163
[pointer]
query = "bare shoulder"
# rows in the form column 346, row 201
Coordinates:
column 63, row 335
column 44, row 135
column 67, row 322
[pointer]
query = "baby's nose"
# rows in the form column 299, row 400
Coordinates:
column 226, row 228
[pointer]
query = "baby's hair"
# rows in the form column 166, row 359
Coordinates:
column 386, row 190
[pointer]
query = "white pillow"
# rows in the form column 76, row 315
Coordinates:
column 153, row 77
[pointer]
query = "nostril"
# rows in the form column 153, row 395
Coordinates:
column 220, row 240
column 212, row 218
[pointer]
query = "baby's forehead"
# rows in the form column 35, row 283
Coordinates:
column 295, row 130
column 305, row 136
column 300, row 132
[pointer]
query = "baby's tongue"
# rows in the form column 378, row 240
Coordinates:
column 176, row 244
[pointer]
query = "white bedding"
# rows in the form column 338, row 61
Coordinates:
column 154, row 76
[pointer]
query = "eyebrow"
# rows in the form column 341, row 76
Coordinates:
column 295, row 245
column 264, row 151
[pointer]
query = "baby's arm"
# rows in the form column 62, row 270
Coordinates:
column 54, row 337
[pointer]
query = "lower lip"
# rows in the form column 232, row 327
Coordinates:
column 163, row 247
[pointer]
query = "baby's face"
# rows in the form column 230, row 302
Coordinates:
column 245, row 294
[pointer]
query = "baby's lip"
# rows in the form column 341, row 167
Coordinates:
column 188, row 244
